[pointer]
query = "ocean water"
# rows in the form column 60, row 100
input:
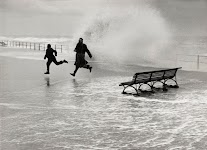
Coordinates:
column 57, row 111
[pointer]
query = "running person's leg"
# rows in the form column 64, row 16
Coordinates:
column 77, row 64
column 80, row 62
column 49, row 61
column 87, row 67
column 85, row 63
column 59, row 62
column 76, row 69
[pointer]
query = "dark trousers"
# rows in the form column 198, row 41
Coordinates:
column 50, row 60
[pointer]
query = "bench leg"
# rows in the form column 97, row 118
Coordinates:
column 151, row 87
column 162, row 82
column 176, row 84
column 164, row 87
column 123, row 92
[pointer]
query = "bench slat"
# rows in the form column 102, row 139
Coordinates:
column 157, row 76
column 142, row 76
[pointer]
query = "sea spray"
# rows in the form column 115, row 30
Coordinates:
column 129, row 34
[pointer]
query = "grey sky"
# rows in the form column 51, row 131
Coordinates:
column 62, row 17
column 42, row 17
column 187, row 16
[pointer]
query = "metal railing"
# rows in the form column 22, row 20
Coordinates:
column 197, row 59
column 33, row 45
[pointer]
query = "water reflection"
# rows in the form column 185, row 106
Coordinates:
column 75, row 83
column 47, row 79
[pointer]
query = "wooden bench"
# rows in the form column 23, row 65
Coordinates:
column 150, row 78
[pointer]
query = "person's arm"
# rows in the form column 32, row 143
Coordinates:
column 45, row 55
column 88, row 52
column 75, row 50
column 54, row 51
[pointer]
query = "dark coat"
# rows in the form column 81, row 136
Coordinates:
column 80, row 50
column 49, row 53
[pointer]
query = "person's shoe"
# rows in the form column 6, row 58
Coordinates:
column 90, row 69
column 65, row 61
column 47, row 72
column 72, row 74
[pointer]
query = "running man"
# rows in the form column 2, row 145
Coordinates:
column 51, row 58
column 80, row 61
